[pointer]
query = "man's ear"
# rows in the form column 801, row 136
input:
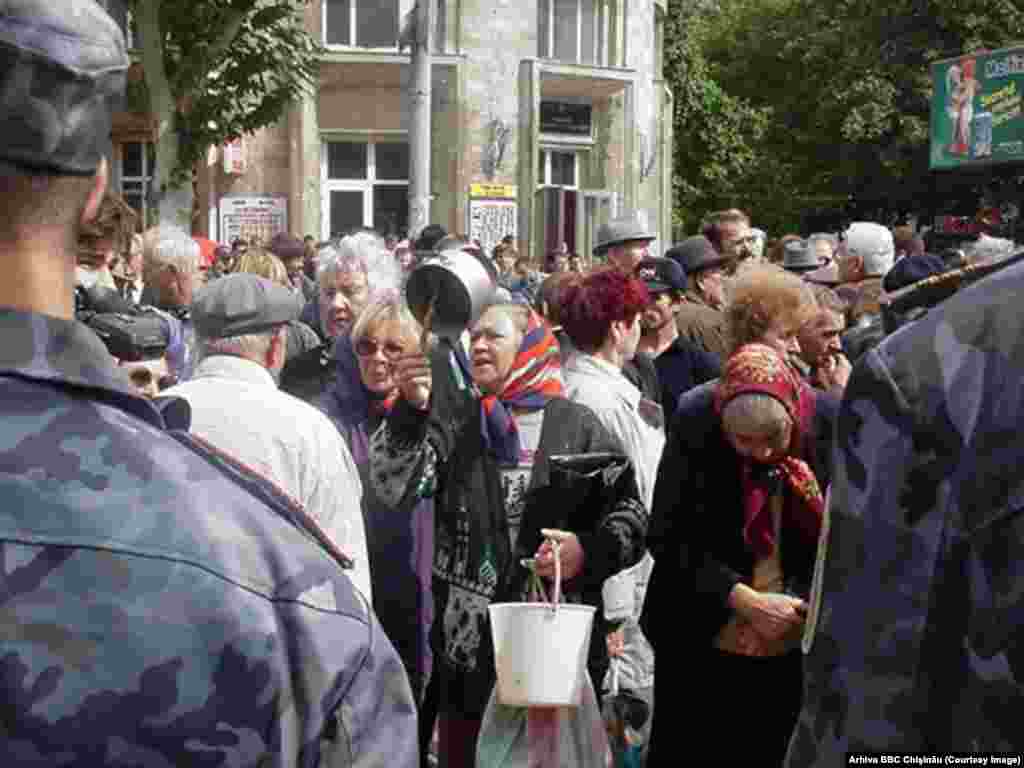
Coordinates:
column 275, row 355
column 99, row 189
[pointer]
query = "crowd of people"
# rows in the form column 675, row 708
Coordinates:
column 274, row 536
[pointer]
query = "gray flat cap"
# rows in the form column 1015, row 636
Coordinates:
column 239, row 304
column 694, row 254
column 63, row 67
column 620, row 230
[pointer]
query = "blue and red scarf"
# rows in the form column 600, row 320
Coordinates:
column 533, row 380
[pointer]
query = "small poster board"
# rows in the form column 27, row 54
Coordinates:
column 493, row 213
column 252, row 216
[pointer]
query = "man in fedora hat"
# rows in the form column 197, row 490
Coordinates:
column 623, row 243
column 799, row 257
column 700, row 318
column 163, row 604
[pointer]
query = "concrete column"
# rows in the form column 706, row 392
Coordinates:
column 529, row 138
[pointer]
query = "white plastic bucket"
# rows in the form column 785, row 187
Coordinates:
column 540, row 650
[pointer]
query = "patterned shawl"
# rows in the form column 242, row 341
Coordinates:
column 534, row 378
column 758, row 368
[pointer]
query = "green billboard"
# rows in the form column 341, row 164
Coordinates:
column 976, row 109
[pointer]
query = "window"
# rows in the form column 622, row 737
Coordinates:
column 557, row 169
column 573, row 31
column 361, row 23
column 136, row 172
column 366, row 185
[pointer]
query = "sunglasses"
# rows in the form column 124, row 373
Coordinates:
column 369, row 347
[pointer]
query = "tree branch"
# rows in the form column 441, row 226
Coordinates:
column 187, row 78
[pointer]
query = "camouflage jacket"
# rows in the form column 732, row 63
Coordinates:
column 915, row 638
column 162, row 606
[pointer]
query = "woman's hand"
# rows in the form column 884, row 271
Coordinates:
column 772, row 615
column 570, row 553
column 412, row 376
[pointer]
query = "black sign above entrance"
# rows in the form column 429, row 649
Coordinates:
column 560, row 117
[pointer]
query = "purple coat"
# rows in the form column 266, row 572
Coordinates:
column 400, row 542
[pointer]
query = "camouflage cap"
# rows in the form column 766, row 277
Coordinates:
column 63, row 68
column 240, row 304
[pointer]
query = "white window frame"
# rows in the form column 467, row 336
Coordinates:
column 352, row 25
column 601, row 21
column 365, row 186
column 546, row 153
column 146, row 178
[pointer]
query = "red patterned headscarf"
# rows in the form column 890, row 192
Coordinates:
column 534, row 378
column 759, row 369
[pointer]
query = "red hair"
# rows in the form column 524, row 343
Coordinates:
column 591, row 305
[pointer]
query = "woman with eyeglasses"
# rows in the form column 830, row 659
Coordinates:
column 399, row 542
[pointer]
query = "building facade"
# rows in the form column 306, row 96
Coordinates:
column 548, row 117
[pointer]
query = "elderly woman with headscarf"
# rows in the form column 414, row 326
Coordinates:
column 734, row 528
column 488, row 468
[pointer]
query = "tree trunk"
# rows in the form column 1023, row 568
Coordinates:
column 173, row 201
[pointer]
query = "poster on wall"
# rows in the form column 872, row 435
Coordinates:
column 976, row 115
column 252, row 217
column 493, row 213
column 236, row 158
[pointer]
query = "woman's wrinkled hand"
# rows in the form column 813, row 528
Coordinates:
column 570, row 553
column 412, row 376
column 774, row 615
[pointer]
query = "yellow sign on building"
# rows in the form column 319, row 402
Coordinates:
column 504, row 191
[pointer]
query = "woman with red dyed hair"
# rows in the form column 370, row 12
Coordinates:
column 601, row 314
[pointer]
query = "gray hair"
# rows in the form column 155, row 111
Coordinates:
column 362, row 252
column 988, row 249
column 755, row 413
column 388, row 308
column 251, row 346
column 166, row 246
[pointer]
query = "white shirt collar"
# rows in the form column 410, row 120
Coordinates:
column 235, row 368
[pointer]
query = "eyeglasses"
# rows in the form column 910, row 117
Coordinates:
column 369, row 347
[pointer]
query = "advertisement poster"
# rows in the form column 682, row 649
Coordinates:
column 493, row 213
column 976, row 114
column 252, row 217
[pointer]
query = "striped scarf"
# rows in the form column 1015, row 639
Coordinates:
column 534, row 378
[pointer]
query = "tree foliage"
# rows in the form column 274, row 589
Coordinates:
column 218, row 69
column 844, row 90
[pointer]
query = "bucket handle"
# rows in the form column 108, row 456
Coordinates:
column 535, row 584
column 556, row 550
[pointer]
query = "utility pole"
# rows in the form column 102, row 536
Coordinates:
column 422, row 28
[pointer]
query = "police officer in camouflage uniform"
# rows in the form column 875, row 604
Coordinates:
column 915, row 637
column 161, row 605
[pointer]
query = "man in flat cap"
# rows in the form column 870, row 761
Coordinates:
column 236, row 406
column 163, row 604
column 700, row 318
